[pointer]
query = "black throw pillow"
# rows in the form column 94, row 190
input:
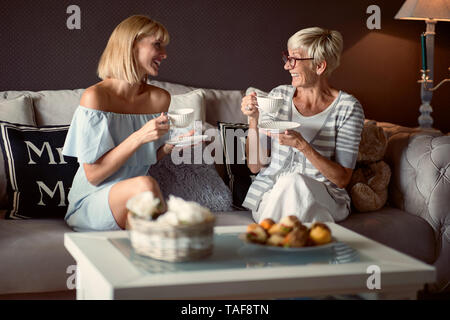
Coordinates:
column 238, row 176
column 38, row 175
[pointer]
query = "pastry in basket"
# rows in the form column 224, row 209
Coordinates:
column 184, row 232
column 320, row 233
column 267, row 224
column 181, row 212
column 145, row 205
column 275, row 240
column 256, row 233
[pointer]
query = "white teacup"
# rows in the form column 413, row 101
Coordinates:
column 181, row 117
column 269, row 104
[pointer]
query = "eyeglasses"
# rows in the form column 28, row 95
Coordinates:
column 292, row 60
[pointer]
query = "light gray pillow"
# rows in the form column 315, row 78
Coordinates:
column 192, row 182
column 193, row 99
column 172, row 88
column 56, row 107
column 18, row 110
column 220, row 105
column 224, row 106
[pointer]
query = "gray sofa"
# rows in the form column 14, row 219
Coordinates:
column 416, row 220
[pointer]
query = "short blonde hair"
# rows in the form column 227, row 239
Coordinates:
column 320, row 44
column 118, row 60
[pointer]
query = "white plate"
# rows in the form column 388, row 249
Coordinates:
column 279, row 126
column 287, row 249
column 187, row 141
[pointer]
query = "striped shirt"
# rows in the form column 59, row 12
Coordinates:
column 337, row 140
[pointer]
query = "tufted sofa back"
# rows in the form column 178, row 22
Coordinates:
column 420, row 163
column 420, row 181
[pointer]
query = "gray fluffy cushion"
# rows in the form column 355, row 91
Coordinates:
column 192, row 182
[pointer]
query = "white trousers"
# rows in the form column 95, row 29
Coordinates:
column 302, row 196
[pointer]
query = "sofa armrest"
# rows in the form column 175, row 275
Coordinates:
column 420, row 185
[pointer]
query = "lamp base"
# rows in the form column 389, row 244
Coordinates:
column 425, row 119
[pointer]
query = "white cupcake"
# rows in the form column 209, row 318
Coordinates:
column 144, row 205
column 181, row 212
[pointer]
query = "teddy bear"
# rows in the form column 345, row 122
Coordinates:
column 368, row 187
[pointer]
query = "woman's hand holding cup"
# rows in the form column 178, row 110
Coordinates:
column 249, row 107
column 153, row 129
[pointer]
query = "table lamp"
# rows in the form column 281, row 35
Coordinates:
column 431, row 11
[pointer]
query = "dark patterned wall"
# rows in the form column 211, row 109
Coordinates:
column 228, row 44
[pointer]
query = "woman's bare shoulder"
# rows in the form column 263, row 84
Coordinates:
column 95, row 97
column 159, row 99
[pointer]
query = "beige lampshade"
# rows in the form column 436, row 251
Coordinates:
column 438, row 10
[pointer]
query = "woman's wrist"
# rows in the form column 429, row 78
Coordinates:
column 136, row 139
column 253, row 123
column 302, row 146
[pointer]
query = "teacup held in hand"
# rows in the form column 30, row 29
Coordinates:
column 182, row 117
column 269, row 104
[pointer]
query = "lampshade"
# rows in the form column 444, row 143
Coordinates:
column 438, row 10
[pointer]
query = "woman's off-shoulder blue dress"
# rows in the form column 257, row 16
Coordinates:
column 92, row 133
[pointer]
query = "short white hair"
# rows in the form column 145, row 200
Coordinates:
column 320, row 44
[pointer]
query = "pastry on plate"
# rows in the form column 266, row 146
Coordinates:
column 278, row 228
column 267, row 224
column 289, row 222
column 296, row 238
column 299, row 225
column 256, row 233
column 320, row 233
column 275, row 240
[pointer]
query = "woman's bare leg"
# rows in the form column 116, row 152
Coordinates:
column 124, row 190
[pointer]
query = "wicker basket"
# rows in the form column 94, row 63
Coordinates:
column 171, row 243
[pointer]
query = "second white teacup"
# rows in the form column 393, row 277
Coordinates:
column 269, row 104
column 181, row 117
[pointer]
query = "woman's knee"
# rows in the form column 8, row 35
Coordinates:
column 291, row 179
column 146, row 183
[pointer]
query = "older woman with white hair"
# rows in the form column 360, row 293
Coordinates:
column 304, row 171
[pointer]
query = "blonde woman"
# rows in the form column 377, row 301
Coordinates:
column 309, row 167
column 120, row 127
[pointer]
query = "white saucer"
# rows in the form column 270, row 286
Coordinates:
column 187, row 141
column 278, row 126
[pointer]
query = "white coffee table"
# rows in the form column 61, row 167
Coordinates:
column 108, row 268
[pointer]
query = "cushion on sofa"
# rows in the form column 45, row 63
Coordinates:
column 38, row 175
column 17, row 110
column 33, row 257
column 238, row 177
column 224, row 105
column 193, row 99
column 221, row 105
column 56, row 107
column 12, row 94
column 171, row 87
column 51, row 107
column 193, row 182
column 396, row 229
